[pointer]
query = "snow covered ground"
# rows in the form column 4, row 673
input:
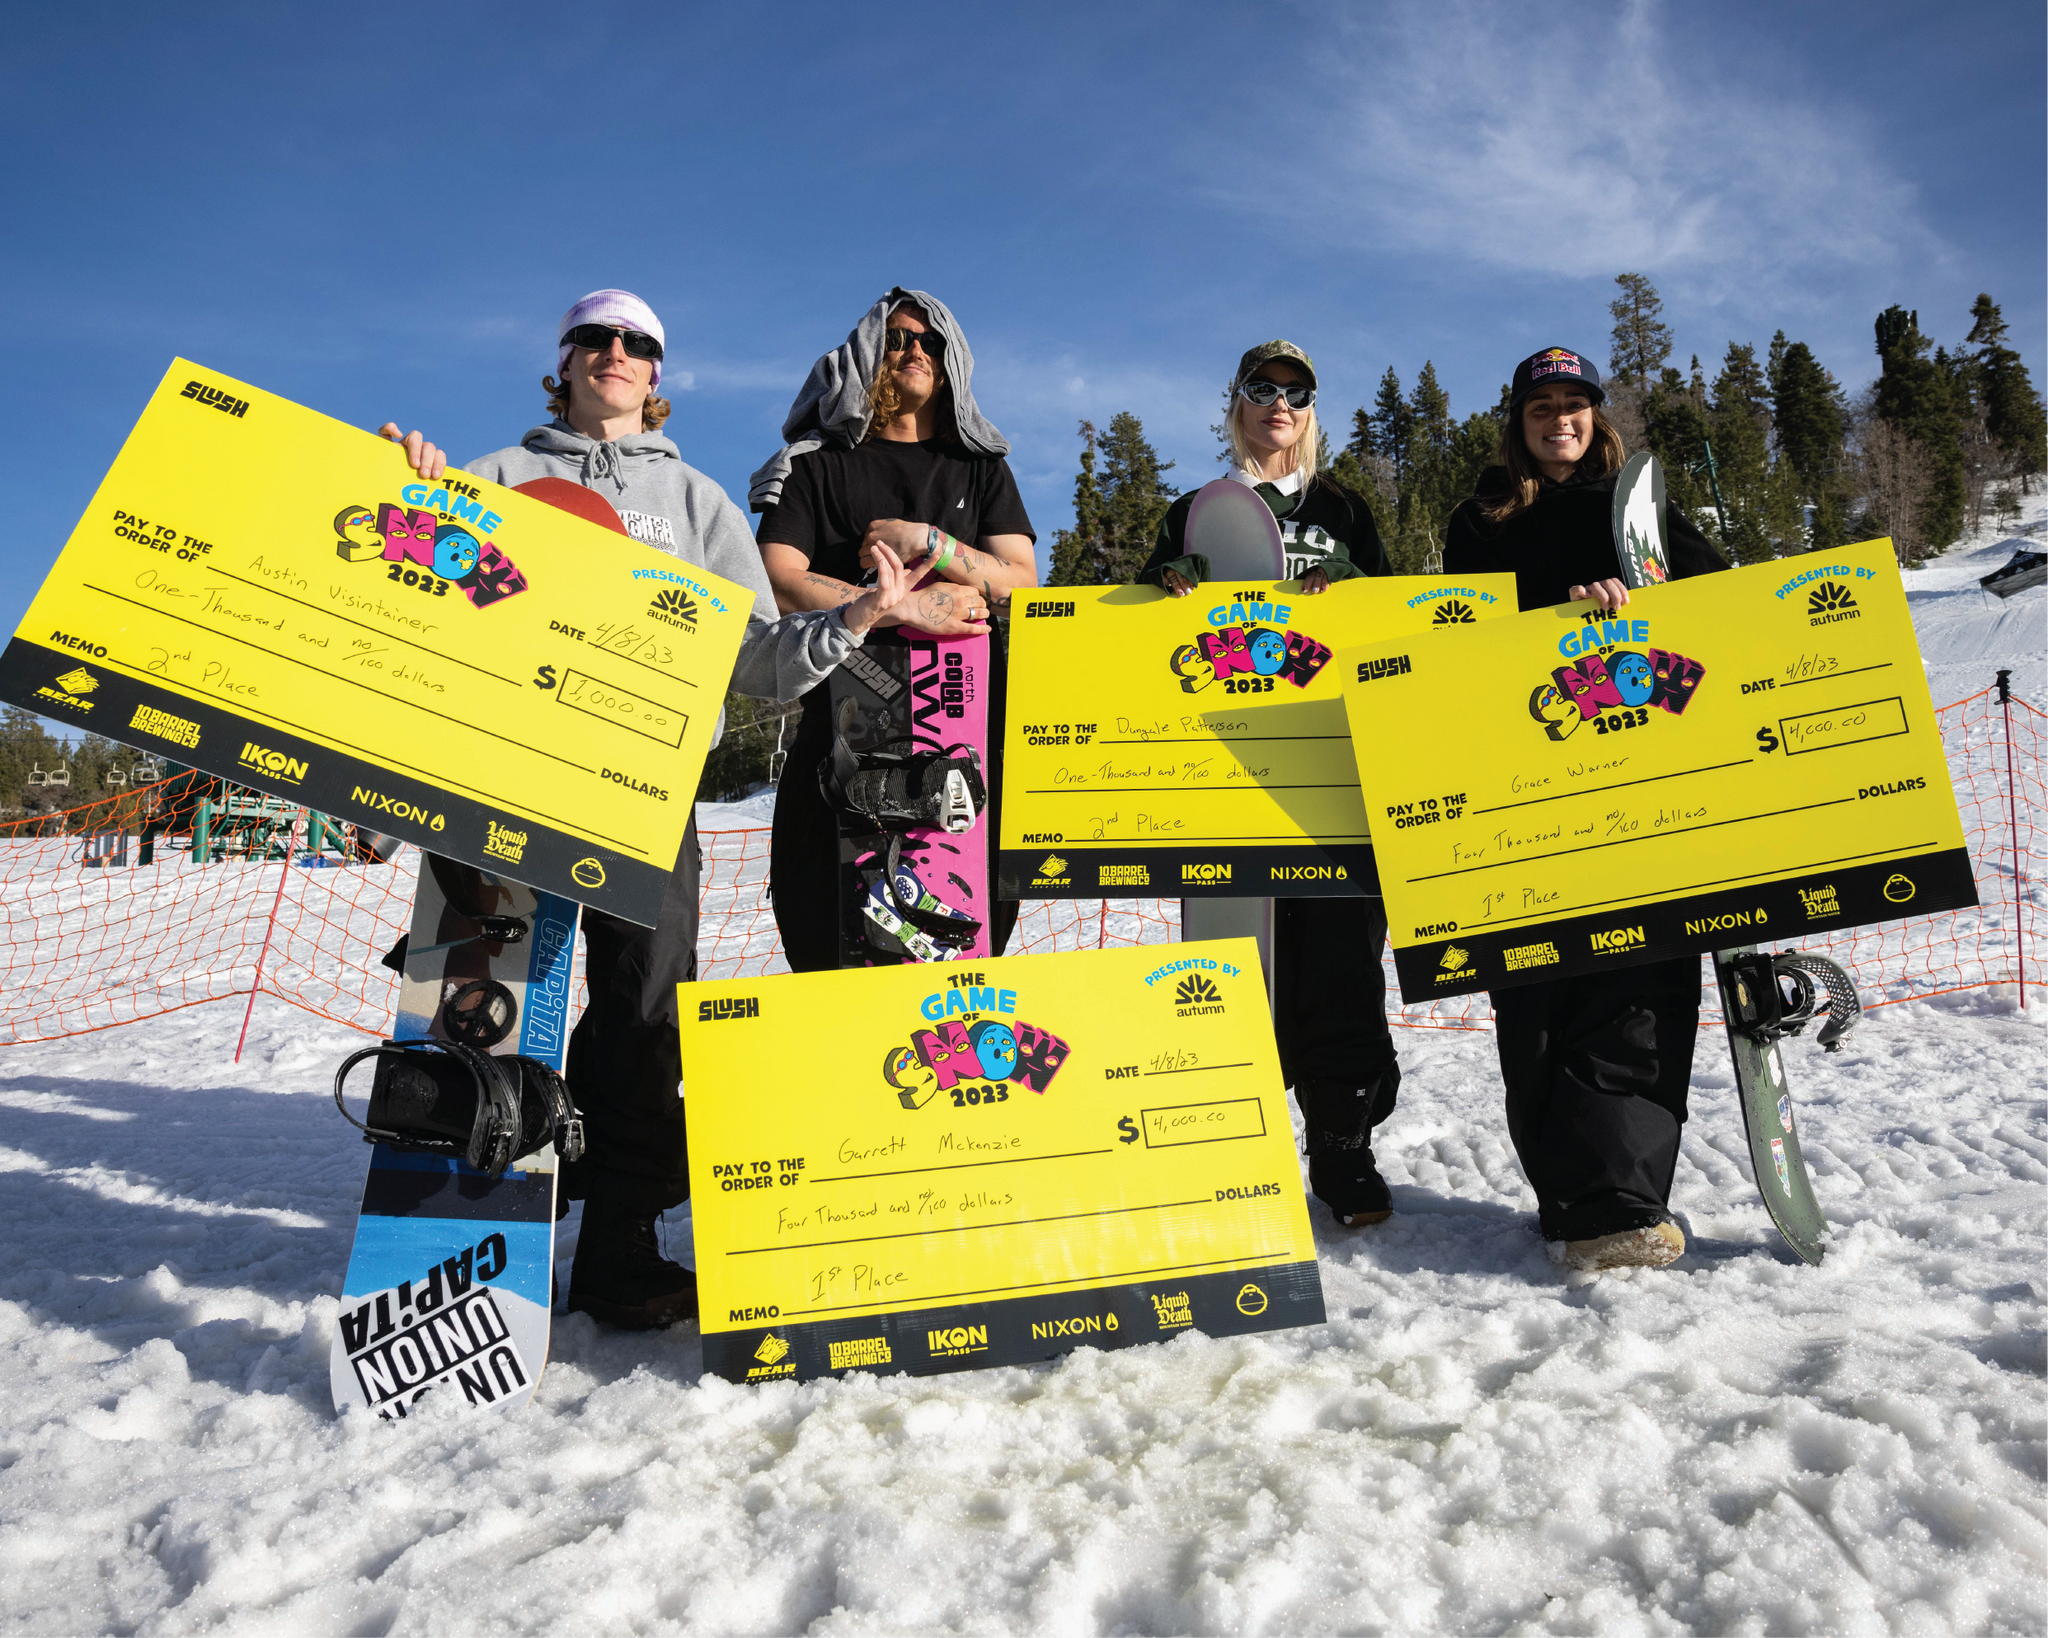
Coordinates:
column 1478, row 1440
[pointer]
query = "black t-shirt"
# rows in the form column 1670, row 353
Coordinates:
column 833, row 494
column 1326, row 527
column 1565, row 538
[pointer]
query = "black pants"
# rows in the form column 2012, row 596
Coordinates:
column 1330, row 1019
column 1597, row 1070
column 803, row 856
column 625, row 1062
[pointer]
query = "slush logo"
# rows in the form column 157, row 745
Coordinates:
column 737, row 1006
column 1617, row 939
column 214, row 398
column 868, row 672
column 1397, row 666
column 1453, row 613
column 276, row 764
column 1047, row 611
column 674, row 608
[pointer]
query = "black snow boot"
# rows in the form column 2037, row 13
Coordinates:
column 620, row 1276
column 1340, row 1116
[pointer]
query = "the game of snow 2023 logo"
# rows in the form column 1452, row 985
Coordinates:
column 439, row 537
column 1250, row 647
column 1609, row 685
column 973, row 1047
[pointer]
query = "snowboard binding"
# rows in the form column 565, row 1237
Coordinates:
column 448, row 1098
column 1779, row 995
column 898, row 791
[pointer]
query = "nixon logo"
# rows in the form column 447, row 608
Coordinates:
column 1373, row 670
column 735, row 1006
column 1618, row 938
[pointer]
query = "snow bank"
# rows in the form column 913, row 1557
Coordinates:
column 1478, row 1440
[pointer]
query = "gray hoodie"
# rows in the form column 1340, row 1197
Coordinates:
column 673, row 506
column 833, row 404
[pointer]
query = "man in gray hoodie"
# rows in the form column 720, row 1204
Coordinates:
column 624, row 1069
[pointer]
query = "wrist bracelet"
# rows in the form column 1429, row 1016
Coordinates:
column 939, row 559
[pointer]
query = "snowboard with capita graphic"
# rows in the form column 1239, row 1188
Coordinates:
column 450, row 1280
column 448, row 1284
column 1764, row 998
column 906, row 780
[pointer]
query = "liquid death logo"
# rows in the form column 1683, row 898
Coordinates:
column 444, row 1327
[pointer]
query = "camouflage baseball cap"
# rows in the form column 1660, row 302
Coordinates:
column 1265, row 353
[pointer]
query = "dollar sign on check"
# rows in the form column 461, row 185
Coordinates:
column 1129, row 1128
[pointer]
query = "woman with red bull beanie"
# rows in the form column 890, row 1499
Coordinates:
column 1596, row 1068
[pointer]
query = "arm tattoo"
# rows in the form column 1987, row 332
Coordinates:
column 846, row 593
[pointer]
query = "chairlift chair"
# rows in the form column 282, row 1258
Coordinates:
column 37, row 776
column 61, row 775
column 114, row 776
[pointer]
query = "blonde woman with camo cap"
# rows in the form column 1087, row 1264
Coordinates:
column 1329, row 990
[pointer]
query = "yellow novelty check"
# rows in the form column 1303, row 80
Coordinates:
column 1740, row 758
column 990, row 1166
column 1197, row 746
column 276, row 598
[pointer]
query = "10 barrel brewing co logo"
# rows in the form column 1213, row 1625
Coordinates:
column 972, row 1047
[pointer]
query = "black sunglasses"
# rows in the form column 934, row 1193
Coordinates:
column 1262, row 392
column 901, row 341
column 597, row 337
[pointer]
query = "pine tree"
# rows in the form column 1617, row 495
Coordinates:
column 2013, row 416
column 1811, row 424
column 1918, row 397
column 1741, row 422
column 1116, row 522
column 1074, row 550
column 1641, row 340
column 1676, row 431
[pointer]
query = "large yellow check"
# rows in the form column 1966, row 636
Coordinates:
column 1740, row 758
column 1197, row 746
column 276, row 598
column 922, row 1168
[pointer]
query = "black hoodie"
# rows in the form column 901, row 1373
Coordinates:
column 1565, row 538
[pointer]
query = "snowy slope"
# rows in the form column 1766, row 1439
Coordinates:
column 1478, row 1441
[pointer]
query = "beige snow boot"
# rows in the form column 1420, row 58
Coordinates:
column 1653, row 1247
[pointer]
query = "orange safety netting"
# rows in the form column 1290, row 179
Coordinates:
column 91, row 935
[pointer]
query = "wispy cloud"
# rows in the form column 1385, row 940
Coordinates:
column 1602, row 142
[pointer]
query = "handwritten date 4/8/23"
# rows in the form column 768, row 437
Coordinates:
column 862, row 1280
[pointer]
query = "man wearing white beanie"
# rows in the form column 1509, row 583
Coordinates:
column 624, row 1070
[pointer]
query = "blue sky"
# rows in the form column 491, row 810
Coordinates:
column 381, row 211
